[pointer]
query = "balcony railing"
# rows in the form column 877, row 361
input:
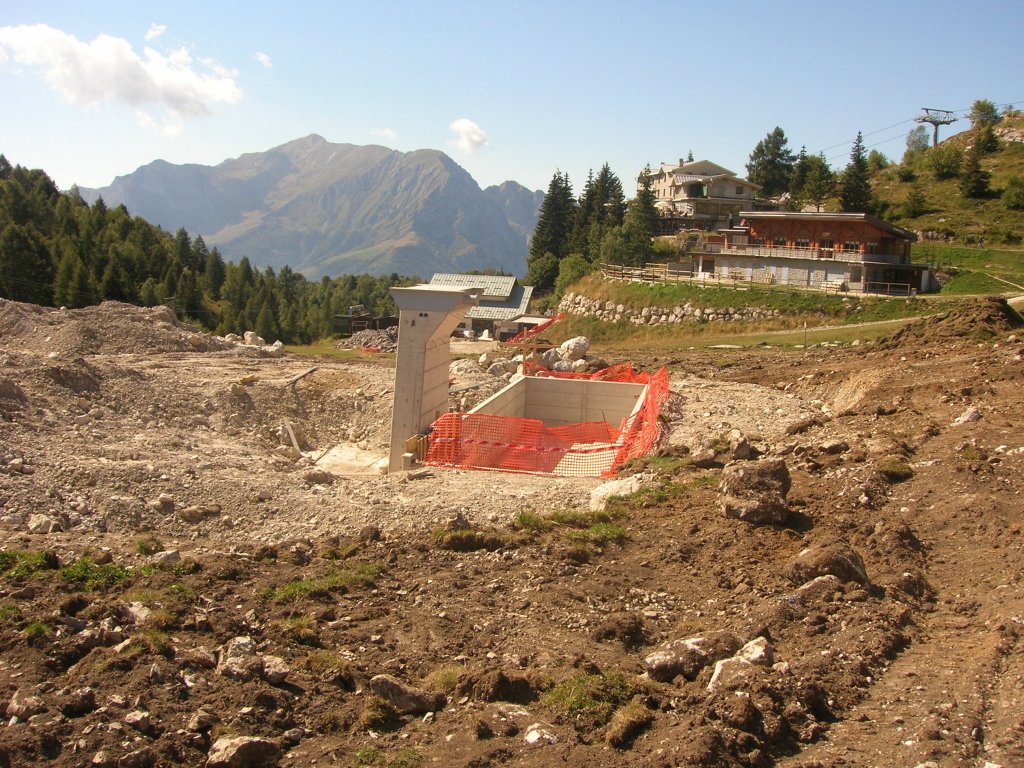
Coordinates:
column 792, row 252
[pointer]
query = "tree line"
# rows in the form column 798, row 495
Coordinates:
column 57, row 250
column 573, row 235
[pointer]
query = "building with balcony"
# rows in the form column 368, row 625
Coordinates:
column 700, row 195
column 856, row 252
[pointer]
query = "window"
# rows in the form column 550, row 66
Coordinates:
column 851, row 246
column 779, row 242
column 802, row 243
column 739, row 190
column 872, row 247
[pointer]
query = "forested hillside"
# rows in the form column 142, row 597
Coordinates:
column 57, row 250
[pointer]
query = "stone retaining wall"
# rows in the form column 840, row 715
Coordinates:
column 609, row 311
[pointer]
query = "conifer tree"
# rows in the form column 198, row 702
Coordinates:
column 974, row 181
column 771, row 163
column 550, row 241
column 819, row 183
column 856, row 191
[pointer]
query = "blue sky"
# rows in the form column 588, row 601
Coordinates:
column 511, row 90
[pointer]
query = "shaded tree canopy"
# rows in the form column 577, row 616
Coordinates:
column 771, row 163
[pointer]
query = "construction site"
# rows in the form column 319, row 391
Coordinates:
column 215, row 552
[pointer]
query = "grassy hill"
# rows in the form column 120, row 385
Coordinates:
column 946, row 210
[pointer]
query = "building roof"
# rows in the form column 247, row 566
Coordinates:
column 503, row 309
column 906, row 234
column 494, row 286
column 502, row 298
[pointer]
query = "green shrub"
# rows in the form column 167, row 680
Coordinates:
column 589, row 701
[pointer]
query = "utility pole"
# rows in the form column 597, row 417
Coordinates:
column 936, row 117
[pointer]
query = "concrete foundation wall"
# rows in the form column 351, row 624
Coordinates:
column 558, row 402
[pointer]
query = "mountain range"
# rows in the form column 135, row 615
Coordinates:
column 328, row 209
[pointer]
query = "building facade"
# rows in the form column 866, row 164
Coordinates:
column 855, row 252
column 699, row 195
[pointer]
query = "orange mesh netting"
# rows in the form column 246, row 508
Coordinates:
column 589, row 449
column 531, row 332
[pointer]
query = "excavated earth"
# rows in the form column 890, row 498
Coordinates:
column 199, row 566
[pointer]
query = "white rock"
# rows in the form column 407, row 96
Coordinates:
column 621, row 487
column 538, row 734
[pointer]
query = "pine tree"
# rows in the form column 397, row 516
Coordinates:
column 986, row 140
column 856, row 191
column 26, row 270
column 974, row 181
column 641, row 221
column 820, row 182
column 771, row 164
column 916, row 203
column 550, row 241
column 799, row 177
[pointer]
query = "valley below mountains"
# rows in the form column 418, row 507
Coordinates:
column 328, row 209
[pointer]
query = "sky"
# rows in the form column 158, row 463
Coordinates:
column 510, row 90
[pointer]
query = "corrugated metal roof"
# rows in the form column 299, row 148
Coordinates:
column 494, row 286
column 507, row 309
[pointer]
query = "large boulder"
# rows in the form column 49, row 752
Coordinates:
column 405, row 698
column 243, row 752
column 755, row 491
column 688, row 657
column 836, row 558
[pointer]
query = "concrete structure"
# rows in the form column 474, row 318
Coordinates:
column 427, row 315
column 558, row 402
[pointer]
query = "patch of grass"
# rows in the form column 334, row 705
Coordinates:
column 627, row 723
column 86, row 574
column 302, row 629
column 183, row 592
column 444, row 679
column 573, row 519
column 599, row 534
column 19, row 565
column 406, row 758
column 163, row 619
column 531, row 522
column 36, row 630
column 148, row 545
column 378, row 715
column 589, row 701
column 9, row 613
column 369, row 756
column 471, row 539
column 329, row 666
column 895, row 470
column 355, row 575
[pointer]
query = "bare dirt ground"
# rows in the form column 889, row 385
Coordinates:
column 180, row 585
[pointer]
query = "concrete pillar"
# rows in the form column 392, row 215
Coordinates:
column 427, row 315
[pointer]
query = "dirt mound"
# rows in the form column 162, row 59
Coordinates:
column 385, row 340
column 974, row 321
column 110, row 328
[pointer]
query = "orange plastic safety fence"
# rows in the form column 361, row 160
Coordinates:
column 529, row 333
column 588, row 449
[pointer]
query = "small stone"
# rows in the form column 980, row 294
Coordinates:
column 405, row 698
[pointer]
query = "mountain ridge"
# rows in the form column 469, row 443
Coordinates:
column 327, row 209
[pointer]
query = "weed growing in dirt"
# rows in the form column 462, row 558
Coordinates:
column 470, row 539
column 369, row 756
column 444, row 679
column 329, row 667
column 531, row 522
column 356, row 575
column 302, row 629
column 406, row 758
column 86, row 574
column 148, row 545
column 378, row 715
column 9, row 613
column 36, row 630
column 18, row 565
column 894, row 470
column 589, row 701
column 599, row 534
column 627, row 723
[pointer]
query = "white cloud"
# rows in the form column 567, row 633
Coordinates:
column 469, row 136
column 388, row 134
column 155, row 30
column 263, row 59
column 107, row 69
